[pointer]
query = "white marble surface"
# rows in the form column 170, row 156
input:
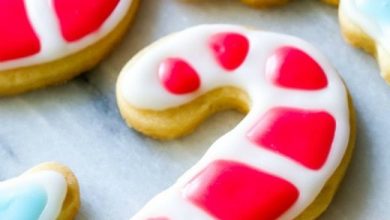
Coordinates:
column 119, row 170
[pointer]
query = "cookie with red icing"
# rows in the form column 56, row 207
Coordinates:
column 267, row 3
column 366, row 24
column 284, row 160
column 48, row 42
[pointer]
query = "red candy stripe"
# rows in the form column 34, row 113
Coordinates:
column 80, row 18
column 305, row 136
column 17, row 38
column 178, row 77
column 229, row 191
column 293, row 68
column 229, row 49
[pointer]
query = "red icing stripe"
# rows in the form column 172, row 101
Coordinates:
column 305, row 136
column 230, row 49
column 229, row 191
column 17, row 38
column 178, row 77
column 293, row 68
column 80, row 18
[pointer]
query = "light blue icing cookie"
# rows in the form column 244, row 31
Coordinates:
column 376, row 9
column 22, row 202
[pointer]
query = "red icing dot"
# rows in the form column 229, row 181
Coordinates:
column 17, row 38
column 230, row 191
column 178, row 77
column 80, row 18
column 230, row 49
column 304, row 136
column 293, row 68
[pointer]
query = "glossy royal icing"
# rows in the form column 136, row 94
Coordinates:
column 294, row 93
column 25, row 203
column 50, row 30
column 33, row 196
column 372, row 16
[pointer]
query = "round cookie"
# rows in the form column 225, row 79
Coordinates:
column 284, row 160
column 56, row 40
column 366, row 24
column 269, row 3
column 46, row 192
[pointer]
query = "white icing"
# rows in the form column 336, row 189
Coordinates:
column 377, row 29
column 44, row 21
column 161, row 206
column 54, row 184
column 139, row 84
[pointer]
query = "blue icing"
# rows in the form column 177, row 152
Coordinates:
column 377, row 9
column 22, row 203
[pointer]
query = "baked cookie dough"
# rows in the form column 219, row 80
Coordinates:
column 269, row 3
column 48, row 42
column 366, row 24
column 284, row 160
column 46, row 192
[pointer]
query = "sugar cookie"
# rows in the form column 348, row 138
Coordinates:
column 284, row 160
column 46, row 192
column 48, row 42
column 332, row 2
column 269, row 3
column 366, row 24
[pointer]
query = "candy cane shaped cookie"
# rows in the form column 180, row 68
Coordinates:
column 46, row 42
column 267, row 3
column 284, row 160
column 366, row 24
column 46, row 192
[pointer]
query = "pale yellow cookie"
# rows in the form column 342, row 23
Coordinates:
column 50, row 189
column 270, row 3
column 365, row 24
column 177, row 122
column 332, row 2
column 60, row 59
column 264, row 3
column 294, row 102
